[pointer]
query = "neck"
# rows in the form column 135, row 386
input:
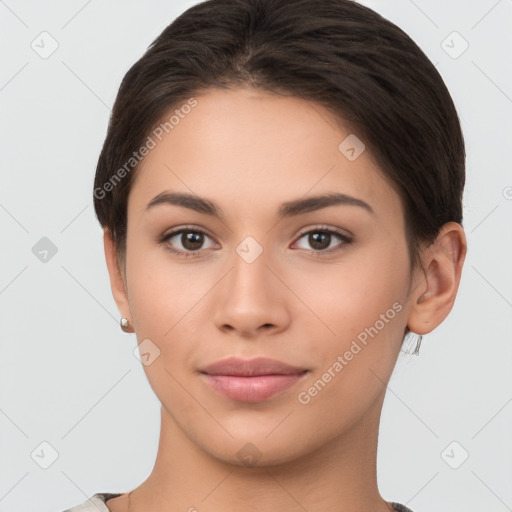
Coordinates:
column 340, row 476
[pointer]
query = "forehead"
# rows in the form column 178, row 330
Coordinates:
column 250, row 149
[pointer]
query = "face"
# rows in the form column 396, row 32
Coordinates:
column 265, row 269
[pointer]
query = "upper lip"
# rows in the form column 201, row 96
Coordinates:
column 251, row 367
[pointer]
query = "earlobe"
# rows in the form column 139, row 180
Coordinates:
column 435, row 289
column 117, row 283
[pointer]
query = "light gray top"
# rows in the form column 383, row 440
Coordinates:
column 97, row 504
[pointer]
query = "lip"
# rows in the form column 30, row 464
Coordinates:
column 252, row 380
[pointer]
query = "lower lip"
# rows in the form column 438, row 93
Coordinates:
column 252, row 389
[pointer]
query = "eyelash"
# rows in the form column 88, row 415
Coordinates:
column 317, row 253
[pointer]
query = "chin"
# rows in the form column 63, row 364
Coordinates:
column 254, row 448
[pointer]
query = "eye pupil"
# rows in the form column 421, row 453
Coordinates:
column 192, row 240
column 316, row 239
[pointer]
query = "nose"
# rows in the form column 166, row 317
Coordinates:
column 252, row 300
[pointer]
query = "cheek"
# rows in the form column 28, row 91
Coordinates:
column 164, row 301
column 163, row 297
column 362, row 302
column 349, row 296
column 354, row 364
column 161, row 291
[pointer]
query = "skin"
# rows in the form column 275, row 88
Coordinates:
column 249, row 151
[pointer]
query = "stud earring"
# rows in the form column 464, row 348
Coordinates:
column 125, row 325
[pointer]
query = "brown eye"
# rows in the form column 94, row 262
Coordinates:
column 321, row 240
column 187, row 242
column 192, row 240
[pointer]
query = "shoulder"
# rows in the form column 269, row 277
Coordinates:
column 400, row 508
column 95, row 503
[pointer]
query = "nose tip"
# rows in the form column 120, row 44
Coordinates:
column 250, row 300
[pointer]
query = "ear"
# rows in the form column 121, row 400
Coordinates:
column 436, row 286
column 117, row 280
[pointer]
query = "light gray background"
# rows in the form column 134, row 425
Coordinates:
column 68, row 374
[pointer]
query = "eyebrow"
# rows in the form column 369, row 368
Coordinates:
column 287, row 209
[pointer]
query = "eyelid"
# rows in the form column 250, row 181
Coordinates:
column 308, row 229
column 325, row 227
column 187, row 227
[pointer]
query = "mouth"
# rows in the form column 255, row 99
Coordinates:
column 252, row 380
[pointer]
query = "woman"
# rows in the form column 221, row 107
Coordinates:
column 280, row 191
